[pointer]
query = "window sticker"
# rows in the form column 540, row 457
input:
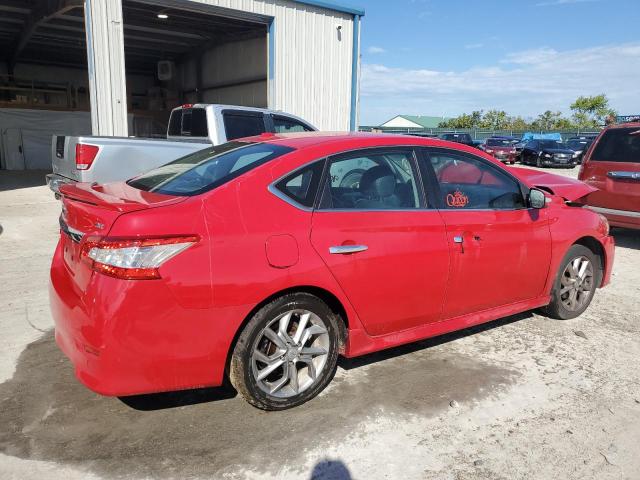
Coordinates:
column 457, row 199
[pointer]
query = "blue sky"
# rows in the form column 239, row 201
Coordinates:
column 435, row 57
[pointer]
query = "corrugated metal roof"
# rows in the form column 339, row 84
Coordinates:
column 424, row 121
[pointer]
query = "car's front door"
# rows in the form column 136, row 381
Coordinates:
column 500, row 249
column 386, row 248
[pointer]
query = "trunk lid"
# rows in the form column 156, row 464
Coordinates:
column 63, row 156
column 90, row 210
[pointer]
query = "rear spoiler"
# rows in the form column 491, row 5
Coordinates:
column 116, row 196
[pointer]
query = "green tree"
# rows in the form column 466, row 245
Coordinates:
column 591, row 111
column 495, row 120
column 463, row 121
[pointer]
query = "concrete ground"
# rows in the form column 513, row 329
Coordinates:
column 524, row 397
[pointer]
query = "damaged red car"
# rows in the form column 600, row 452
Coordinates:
column 263, row 260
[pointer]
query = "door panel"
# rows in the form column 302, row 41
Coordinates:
column 399, row 281
column 500, row 250
column 503, row 258
column 388, row 253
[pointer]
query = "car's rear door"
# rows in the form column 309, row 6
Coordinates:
column 613, row 167
column 500, row 250
column 384, row 245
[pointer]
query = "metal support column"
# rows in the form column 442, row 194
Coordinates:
column 105, row 57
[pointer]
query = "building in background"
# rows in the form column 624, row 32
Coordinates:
column 413, row 121
column 117, row 67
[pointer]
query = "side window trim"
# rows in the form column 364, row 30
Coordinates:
column 423, row 201
column 426, row 152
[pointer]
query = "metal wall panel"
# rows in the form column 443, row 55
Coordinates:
column 312, row 59
column 105, row 55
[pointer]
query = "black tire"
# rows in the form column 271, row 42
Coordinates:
column 558, row 308
column 241, row 368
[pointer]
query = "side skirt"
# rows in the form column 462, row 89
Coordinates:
column 360, row 343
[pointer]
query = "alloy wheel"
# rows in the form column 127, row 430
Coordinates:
column 576, row 283
column 290, row 353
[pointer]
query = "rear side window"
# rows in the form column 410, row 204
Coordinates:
column 302, row 185
column 246, row 124
column 207, row 169
column 618, row 145
column 288, row 125
column 189, row 122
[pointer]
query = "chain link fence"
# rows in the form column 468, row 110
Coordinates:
column 477, row 134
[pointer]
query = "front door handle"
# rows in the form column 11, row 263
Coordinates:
column 346, row 249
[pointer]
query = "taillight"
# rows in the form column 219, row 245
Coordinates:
column 133, row 258
column 85, row 155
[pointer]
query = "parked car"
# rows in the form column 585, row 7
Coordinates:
column 463, row 138
column 502, row 148
column 191, row 128
column 579, row 145
column 253, row 260
column 547, row 153
column 612, row 166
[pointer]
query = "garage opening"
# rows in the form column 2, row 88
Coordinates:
column 178, row 55
column 176, row 52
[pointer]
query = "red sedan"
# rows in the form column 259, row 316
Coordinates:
column 263, row 260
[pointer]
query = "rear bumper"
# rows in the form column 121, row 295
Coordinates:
column 55, row 181
column 134, row 337
column 619, row 218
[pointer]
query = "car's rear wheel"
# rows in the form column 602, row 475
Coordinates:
column 579, row 275
column 287, row 353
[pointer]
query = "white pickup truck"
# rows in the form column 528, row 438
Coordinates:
column 191, row 128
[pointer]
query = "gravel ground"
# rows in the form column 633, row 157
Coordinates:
column 524, row 397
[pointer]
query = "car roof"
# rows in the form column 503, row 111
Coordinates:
column 341, row 141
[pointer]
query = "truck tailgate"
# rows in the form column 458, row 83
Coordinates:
column 117, row 158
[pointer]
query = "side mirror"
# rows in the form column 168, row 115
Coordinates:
column 537, row 198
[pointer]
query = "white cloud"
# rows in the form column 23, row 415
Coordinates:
column 523, row 83
column 376, row 50
column 473, row 46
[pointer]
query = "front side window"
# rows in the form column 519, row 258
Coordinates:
column 243, row 124
column 618, row 145
column 371, row 181
column 288, row 125
column 207, row 169
column 467, row 182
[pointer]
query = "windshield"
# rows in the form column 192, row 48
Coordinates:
column 499, row 142
column 207, row 169
column 552, row 144
column 618, row 145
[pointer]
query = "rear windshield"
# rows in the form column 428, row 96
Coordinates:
column 188, row 122
column 207, row 169
column 618, row 145
column 499, row 142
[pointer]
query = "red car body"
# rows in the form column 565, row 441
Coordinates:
column 612, row 167
column 132, row 336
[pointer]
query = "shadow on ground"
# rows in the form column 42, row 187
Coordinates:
column 13, row 180
column 45, row 414
column 626, row 238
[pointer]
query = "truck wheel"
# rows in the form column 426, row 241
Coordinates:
column 287, row 353
column 573, row 289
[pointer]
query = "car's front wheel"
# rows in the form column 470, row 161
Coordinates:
column 287, row 352
column 573, row 289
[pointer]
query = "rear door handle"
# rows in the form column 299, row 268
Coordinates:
column 620, row 175
column 346, row 249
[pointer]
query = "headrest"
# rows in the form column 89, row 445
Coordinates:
column 378, row 182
